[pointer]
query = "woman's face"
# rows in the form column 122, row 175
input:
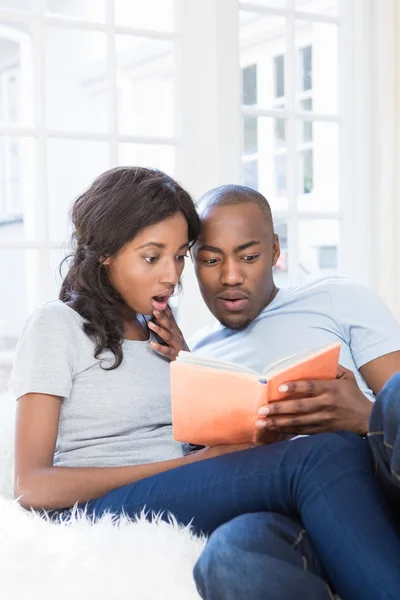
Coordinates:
column 146, row 270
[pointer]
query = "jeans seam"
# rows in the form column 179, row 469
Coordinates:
column 299, row 538
column 305, row 564
column 372, row 433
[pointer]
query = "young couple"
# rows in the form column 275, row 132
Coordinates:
column 93, row 421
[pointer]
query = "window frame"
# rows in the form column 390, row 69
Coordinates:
column 208, row 138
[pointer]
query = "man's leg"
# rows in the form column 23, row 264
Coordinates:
column 384, row 440
column 258, row 556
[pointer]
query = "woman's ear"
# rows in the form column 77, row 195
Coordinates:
column 105, row 261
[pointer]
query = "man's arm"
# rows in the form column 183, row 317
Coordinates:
column 377, row 372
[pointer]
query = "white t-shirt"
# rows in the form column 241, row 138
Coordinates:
column 304, row 317
column 108, row 418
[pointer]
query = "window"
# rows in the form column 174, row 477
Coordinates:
column 299, row 79
column 305, row 62
column 249, row 85
column 279, row 78
column 89, row 84
column 82, row 88
column 327, row 257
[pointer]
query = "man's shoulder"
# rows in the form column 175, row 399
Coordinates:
column 330, row 285
column 204, row 335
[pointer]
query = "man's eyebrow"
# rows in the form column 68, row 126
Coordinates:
column 247, row 245
column 208, row 248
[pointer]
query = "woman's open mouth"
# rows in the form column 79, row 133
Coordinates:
column 161, row 302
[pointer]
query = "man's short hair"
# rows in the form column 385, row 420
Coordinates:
column 233, row 195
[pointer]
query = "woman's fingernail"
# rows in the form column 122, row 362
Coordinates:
column 260, row 423
column 156, row 313
column 151, row 325
column 283, row 388
column 263, row 410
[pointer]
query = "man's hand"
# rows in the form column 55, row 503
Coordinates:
column 318, row 406
column 169, row 331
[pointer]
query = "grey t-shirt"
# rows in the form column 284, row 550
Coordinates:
column 108, row 418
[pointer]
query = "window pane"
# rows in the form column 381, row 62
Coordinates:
column 265, row 159
column 318, row 166
column 17, row 4
column 318, row 248
column 89, row 10
column 321, row 7
column 249, row 85
column 317, row 63
column 19, row 218
column 250, row 135
column 147, row 155
column 56, row 256
column 76, row 79
column 271, row 3
column 262, row 49
column 72, row 166
column 281, row 274
column 145, row 80
column 250, row 173
column 17, row 300
column 16, row 74
column 152, row 14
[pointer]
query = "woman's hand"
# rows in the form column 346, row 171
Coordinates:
column 167, row 328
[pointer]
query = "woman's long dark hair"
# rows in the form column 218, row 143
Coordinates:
column 118, row 205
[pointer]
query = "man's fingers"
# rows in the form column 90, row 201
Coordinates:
column 304, row 388
column 295, row 423
column 297, row 406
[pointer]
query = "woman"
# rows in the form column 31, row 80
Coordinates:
column 93, row 416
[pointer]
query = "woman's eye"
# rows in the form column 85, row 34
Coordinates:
column 181, row 257
column 250, row 257
column 151, row 259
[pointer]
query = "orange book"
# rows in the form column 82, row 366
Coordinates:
column 216, row 402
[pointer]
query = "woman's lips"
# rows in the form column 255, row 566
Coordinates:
column 233, row 305
column 160, row 302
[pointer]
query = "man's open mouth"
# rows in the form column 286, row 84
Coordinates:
column 233, row 303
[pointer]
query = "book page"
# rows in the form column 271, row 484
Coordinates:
column 198, row 360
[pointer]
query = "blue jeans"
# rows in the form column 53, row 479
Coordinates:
column 325, row 480
column 259, row 556
column 384, row 440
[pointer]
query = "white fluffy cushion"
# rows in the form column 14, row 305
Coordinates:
column 82, row 560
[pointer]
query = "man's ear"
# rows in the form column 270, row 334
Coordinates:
column 276, row 250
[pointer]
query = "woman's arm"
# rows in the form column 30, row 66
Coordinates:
column 38, row 484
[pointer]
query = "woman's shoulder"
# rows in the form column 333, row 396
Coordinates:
column 56, row 310
column 54, row 317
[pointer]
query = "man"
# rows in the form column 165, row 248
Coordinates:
column 258, row 324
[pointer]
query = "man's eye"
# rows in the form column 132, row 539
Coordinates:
column 151, row 259
column 250, row 257
column 210, row 261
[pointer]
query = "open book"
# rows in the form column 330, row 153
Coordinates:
column 216, row 401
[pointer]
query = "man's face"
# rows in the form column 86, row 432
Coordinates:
column 233, row 260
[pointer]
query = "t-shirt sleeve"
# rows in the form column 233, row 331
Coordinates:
column 366, row 322
column 46, row 355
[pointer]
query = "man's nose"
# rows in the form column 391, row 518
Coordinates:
column 231, row 273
